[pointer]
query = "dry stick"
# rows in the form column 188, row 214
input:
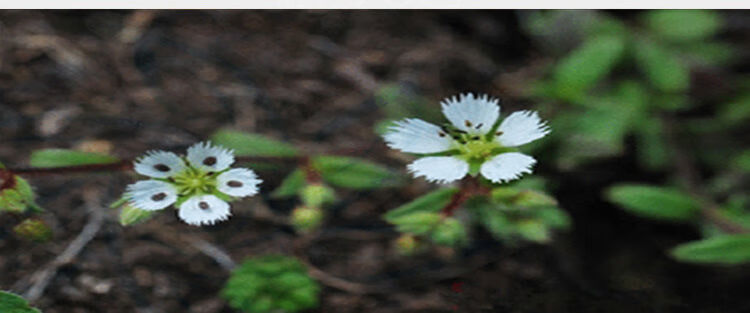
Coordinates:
column 43, row 277
column 687, row 173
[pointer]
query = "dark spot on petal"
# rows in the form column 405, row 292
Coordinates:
column 475, row 138
column 467, row 123
column 441, row 134
column 479, row 126
column 498, row 133
column 234, row 183
column 209, row 161
column 159, row 196
column 162, row 168
column 204, row 205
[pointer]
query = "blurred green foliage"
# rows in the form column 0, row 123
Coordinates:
column 271, row 283
column 64, row 157
column 10, row 303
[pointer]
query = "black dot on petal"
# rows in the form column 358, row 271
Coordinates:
column 209, row 161
column 159, row 196
column 203, row 205
column 467, row 123
column 234, row 184
column 161, row 168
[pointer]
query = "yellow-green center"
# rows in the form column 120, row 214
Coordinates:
column 193, row 181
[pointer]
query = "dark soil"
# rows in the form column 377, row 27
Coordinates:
column 133, row 81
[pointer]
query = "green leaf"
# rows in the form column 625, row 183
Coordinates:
column 431, row 202
column 683, row 25
column 291, row 185
column 553, row 217
column 742, row 161
column 736, row 112
column 417, row 223
column 10, row 303
column 247, row 144
column 652, row 147
column 450, row 232
column 18, row 196
column 533, row 230
column 655, row 202
column 727, row 250
column 662, row 67
column 130, row 215
column 711, row 53
column 63, row 157
column 522, row 198
column 587, row 65
column 355, row 173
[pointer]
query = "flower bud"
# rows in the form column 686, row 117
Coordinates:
column 130, row 215
column 306, row 219
column 408, row 244
column 315, row 195
column 33, row 229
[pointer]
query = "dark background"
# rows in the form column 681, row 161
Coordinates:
column 125, row 82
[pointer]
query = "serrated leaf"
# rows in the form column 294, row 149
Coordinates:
column 10, row 303
column 683, row 25
column 353, row 173
column 727, row 249
column 248, row 144
column 431, row 202
column 291, row 185
column 655, row 202
column 662, row 67
column 587, row 65
column 62, row 157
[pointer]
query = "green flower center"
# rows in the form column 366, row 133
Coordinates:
column 193, row 181
column 478, row 149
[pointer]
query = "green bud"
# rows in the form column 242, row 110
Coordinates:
column 16, row 194
column 130, row 215
column 450, row 232
column 33, row 229
column 316, row 195
column 306, row 219
column 408, row 244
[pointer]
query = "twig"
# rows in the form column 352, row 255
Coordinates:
column 688, row 175
column 43, row 277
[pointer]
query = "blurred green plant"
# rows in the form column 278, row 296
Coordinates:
column 10, row 303
column 271, row 284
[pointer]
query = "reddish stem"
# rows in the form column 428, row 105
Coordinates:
column 470, row 186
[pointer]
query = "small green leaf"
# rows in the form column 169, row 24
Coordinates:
column 553, row 217
column 431, row 202
column 63, row 157
column 33, row 229
column 18, row 196
column 522, row 198
column 533, row 230
column 355, row 173
column 587, row 65
column 10, row 303
column 683, row 25
column 742, row 161
column 247, row 144
column 417, row 223
column 130, row 215
column 662, row 67
column 291, row 185
column 450, row 232
column 727, row 250
column 655, row 202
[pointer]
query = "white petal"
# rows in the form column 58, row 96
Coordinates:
column 439, row 169
column 522, row 127
column 417, row 136
column 238, row 182
column 474, row 115
column 151, row 195
column 212, row 158
column 159, row 164
column 204, row 210
column 507, row 166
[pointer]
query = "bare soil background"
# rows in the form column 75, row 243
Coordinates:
column 130, row 81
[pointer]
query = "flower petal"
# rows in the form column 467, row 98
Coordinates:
column 238, row 182
column 507, row 166
column 159, row 164
column 417, row 136
column 208, row 157
column 439, row 169
column 151, row 195
column 204, row 210
column 474, row 115
column 522, row 127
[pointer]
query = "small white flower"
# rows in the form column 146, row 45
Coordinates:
column 151, row 195
column 238, row 182
column 204, row 210
column 205, row 156
column 159, row 164
column 468, row 139
column 439, row 169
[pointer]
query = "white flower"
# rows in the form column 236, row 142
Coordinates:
column 151, row 195
column 238, row 182
column 203, row 155
column 204, row 210
column 473, row 137
column 159, row 164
